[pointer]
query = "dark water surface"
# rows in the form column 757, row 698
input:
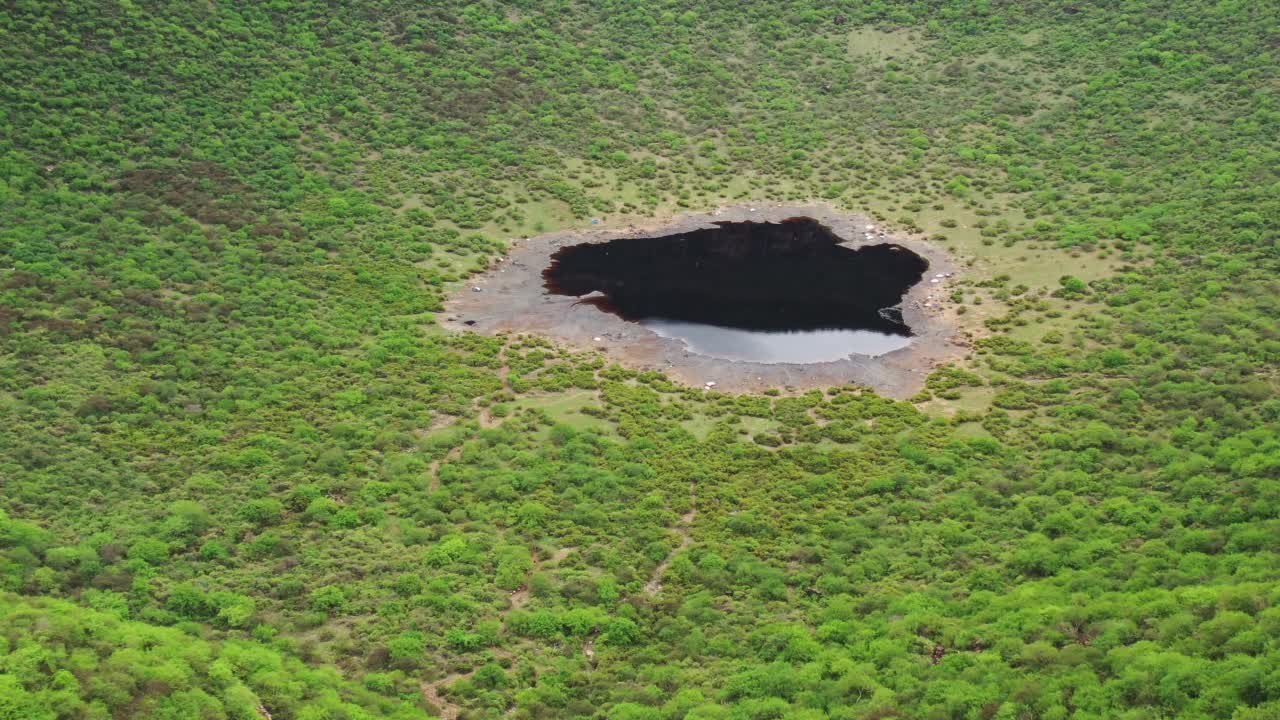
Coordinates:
column 755, row 291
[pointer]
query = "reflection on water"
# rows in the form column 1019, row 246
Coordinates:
column 774, row 292
column 804, row 346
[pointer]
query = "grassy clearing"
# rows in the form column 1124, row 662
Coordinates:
column 567, row 408
column 975, row 399
column 868, row 42
column 701, row 425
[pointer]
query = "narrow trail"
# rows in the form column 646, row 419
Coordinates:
column 431, row 691
column 520, row 597
column 434, row 470
column 487, row 420
column 654, row 586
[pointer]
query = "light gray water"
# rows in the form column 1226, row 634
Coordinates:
column 804, row 346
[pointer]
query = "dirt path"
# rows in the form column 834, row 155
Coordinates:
column 431, row 692
column 654, row 586
column 487, row 420
column 435, row 467
column 519, row 598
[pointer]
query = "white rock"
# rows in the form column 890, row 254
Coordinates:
column 595, row 339
column 711, row 383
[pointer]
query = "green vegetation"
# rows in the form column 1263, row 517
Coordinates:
column 61, row 660
column 244, row 471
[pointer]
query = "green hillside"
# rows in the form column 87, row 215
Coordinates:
column 245, row 473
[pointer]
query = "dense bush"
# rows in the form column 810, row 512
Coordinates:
column 258, row 477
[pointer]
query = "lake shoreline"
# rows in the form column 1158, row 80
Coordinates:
column 510, row 298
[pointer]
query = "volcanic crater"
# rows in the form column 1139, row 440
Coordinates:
column 743, row 298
